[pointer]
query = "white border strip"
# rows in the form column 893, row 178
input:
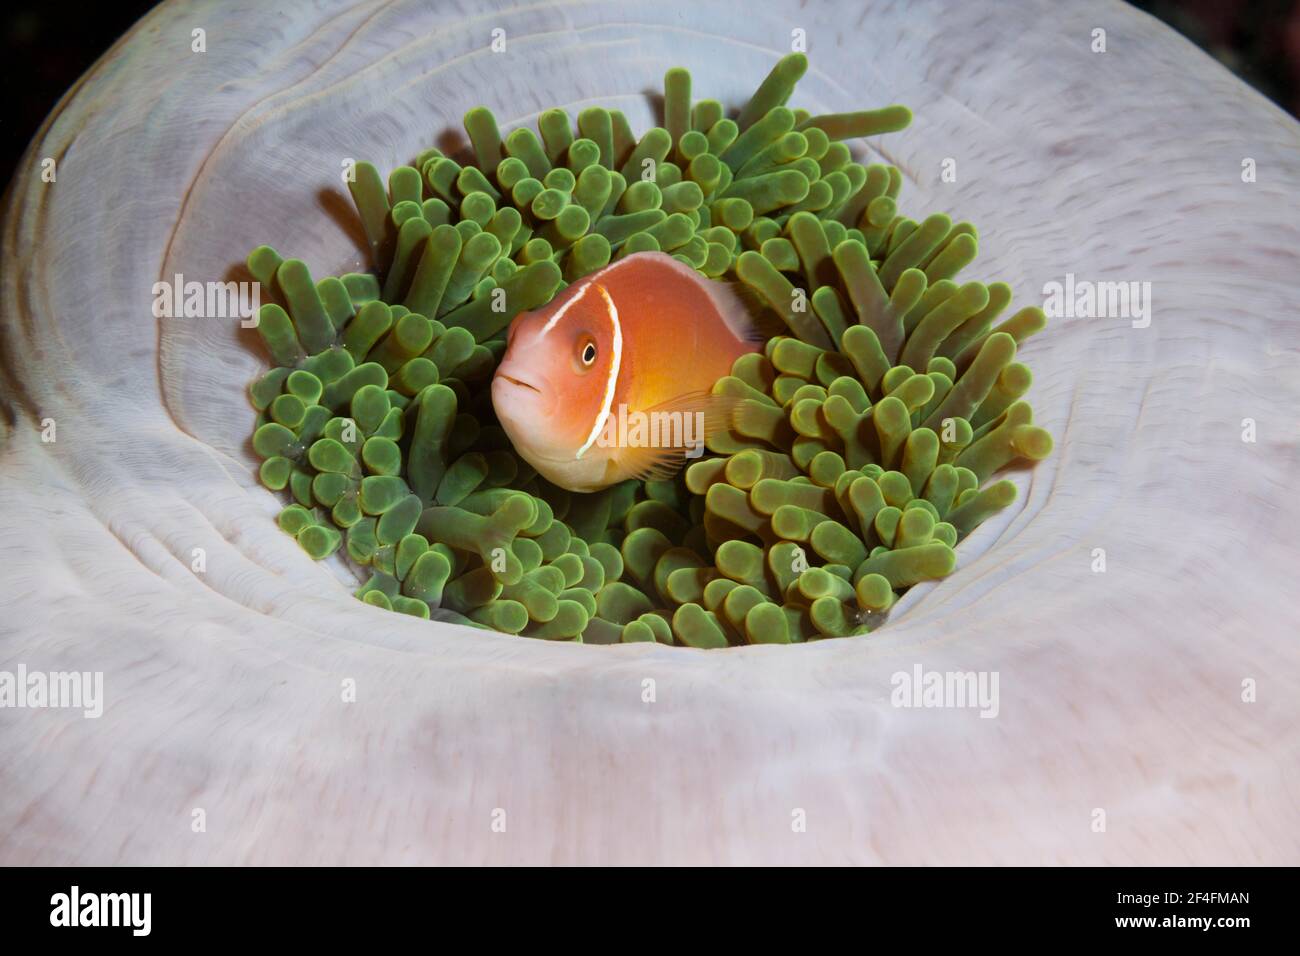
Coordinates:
column 612, row 384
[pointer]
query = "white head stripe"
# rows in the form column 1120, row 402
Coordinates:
column 559, row 313
column 615, row 362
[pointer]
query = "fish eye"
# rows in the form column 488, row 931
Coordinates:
column 587, row 350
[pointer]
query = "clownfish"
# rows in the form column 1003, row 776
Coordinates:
column 612, row 379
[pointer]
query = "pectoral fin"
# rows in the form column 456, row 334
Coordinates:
column 663, row 437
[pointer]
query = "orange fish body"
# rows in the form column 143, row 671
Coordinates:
column 612, row 379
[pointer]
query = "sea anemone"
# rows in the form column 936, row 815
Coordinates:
column 860, row 438
column 1136, row 601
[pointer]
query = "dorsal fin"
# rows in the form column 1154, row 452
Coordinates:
column 744, row 312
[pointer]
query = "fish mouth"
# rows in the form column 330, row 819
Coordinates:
column 515, row 381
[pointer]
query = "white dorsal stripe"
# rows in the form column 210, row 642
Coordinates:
column 559, row 313
column 612, row 383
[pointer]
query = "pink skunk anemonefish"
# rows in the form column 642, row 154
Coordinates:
column 613, row 378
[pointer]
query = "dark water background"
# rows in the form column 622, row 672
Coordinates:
column 47, row 45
